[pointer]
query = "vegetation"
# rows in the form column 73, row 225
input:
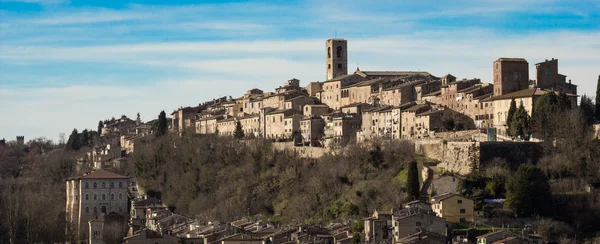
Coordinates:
column 239, row 131
column 587, row 108
column 528, row 191
column 519, row 123
column 598, row 99
column 509, row 117
column 100, row 126
column 412, row 183
column 74, row 142
column 252, row 179
column 162, row 126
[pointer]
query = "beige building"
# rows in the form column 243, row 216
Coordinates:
column 408, row 224
column 312, row 129
column 183, row 118
column 341, row 129
column 379, row 122
column 315, row 109
column 226, row 126
column 298, row 103
column 251, row 124
column 91, row 194
column 332, row 89
column 207, row 125
column 280, row 124
column 527, row 97
column 453, row 207
column 410, row 126
column 377, row 227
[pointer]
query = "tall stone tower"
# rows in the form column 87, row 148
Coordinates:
column 337, row 57
column 510, row 75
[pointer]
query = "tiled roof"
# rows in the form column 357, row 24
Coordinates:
column 490, row 234
column 524, row 93
column 101, row 174
column 395, row 73
column 435, row 93
column 280, row 111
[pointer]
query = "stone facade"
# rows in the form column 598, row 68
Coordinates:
column 510, row 75
column 312, row 129
column 453, row 207
column 336, row 61
column 92, row 194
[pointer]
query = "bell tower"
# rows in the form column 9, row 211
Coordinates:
column 336, row 62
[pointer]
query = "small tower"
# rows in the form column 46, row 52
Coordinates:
column 336, row 59
column 20, row 140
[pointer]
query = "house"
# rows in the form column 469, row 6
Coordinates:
column 444, row 184
column 423, row 237
column 377, row 227
column 453, row 207
column 242, row 238
column 494, row 236
column 148, row 236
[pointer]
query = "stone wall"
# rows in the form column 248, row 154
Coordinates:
column 309, row 152
column 458, row 157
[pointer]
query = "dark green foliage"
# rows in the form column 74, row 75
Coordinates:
column 546, row 110
column 528, row 192
column 162, row 126
column 85, row 138
column 239, row 131
column 587, row 108
column 511, row 112
column 74, row 142
column 138, row 119
column 564, row 103
column 412, row 182
column 472, row 186
column 520, row 123
column 100, row 126
column 448, row 124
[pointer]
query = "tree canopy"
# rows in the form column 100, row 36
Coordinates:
column 528, row 192
column 587, row 108
column 511, row 112
column 74, row 142
column 519, row 123
column 162, row 126
column 239, row 131
column 412, row 182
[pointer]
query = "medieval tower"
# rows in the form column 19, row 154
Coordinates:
column 337, row 57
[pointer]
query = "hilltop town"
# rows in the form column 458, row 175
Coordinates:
column 361, row 157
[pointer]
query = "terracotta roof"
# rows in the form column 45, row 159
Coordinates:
column 416, row 107
column 445, row 196
column 435, row 93
column 366, row 82
column 512, row 60
column 101, row 174
column 280, row 111
column 531, row 92
column 394, row 73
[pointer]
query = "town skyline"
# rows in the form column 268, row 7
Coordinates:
column 122, row 73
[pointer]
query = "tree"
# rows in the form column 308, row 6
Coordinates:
column 138, row 119
column 528, row 192
column 85, row 138
column 564, row 103
column 239, row 131
column 519, row 126
column 587, row 108
column 376, row 156
column 74, row 142
column 511, row 112
column 100, row 126
column 598, row 99
column 162, row 127
column 412, row 182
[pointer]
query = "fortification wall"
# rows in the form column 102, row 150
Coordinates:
column 458, row 157
column 309, row 152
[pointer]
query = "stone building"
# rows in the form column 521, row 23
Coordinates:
column 298, row 103
column 183, row 118
column 549, row 78
column 340, row 129
column 510, row 75
column 280, row 124
column 315, row 110
column 90, row 195
column 414, row 221
column 411, row 127
column 226, row 126
column 251, row 125
column 377, row 228
column 336, row 61
column 332, row 89
column 312, row 129
column 453, row 207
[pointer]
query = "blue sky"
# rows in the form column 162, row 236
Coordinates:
column 67, row 64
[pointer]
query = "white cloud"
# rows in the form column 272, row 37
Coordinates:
column 41, row 2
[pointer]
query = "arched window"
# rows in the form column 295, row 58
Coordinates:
column 339, row 66
column 87, row 185
column 340, row 51
column 104, row 209
column 329, row 66
column 87, row 210
column 95, row 185
column 103, row 197
column 87, row 197
column 120, row 184
column 112, row 185
column 103, row 185
column 95, row 197
column 329, row 52
column 95, row 210
column 120, row 209
column 112, row 197
column 120, row 196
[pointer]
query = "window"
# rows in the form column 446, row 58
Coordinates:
column 87, row 185
column 76, row 197
column 95, row 197
column 87, row 197
column 340, row 52
column 459, row 201
column 103, row 197
column 462, row 220
column 462, row 210
column 329, row 52
column 418, row 223
column 87, row 210
column 112, row 185
column 329, row 66
column 103, row 185
column 112, row 197
column 95, row 185
column 339, row 66
column 95, row 210
column 104, row 209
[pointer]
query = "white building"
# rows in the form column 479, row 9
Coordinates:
column 91, row 194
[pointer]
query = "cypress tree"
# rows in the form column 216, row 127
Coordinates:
column 520, row 123
column 162, row 127
column 239, row 132
column 73, row 143
column 412, row 182
column 510, row 115
column 85, row 138
column 100, row 126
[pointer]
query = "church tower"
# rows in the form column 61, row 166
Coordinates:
column 337, row 57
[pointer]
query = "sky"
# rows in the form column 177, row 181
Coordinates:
column 68, row 64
